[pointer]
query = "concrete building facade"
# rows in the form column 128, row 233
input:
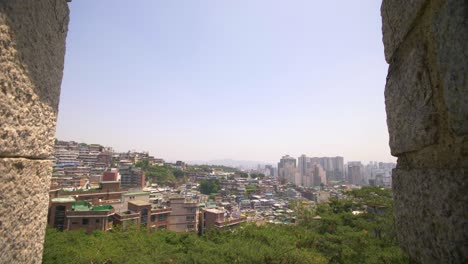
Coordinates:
column 184, row 216
column 287, row 169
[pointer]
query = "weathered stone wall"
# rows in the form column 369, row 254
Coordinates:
column 426, row 98
column 32, row 49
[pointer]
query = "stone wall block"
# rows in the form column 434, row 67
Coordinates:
column 450, row 35
column 411, row 118
column 24, row 186
column 431, row 211
column 32, row 48
column 398, row 17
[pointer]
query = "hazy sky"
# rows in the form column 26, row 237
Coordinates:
column 240, row 79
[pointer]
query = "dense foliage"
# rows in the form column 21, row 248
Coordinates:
column 243, row 174
column 251, row 188
column 359, row 237
column 209, row 168
column 257, row 175
column 166, row 175
column 162, row 175
column 339, row 236
column 209, row 186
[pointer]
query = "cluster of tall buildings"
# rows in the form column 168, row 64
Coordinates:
column 316, row 171
column 310, row 171
column 374, row 173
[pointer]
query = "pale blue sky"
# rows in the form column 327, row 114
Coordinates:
column 240, row 79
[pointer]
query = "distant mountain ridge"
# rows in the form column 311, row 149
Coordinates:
column 248, row 164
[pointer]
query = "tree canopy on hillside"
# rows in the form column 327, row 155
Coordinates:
column 209, row 186
column 337, row 236
column 157, row 174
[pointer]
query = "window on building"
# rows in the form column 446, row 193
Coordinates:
column 144, row 217
column 162, row 217
column 59, row 217
column 190, row 227
column 163, row 227
column 192, row 210
column 85, row 221
column 97, row 220
column 190, row 218
column 153, row 218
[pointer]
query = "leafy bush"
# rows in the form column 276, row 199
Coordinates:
column 339, row 236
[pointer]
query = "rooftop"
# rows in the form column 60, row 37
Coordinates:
column 139, row 203
column 85, row 206
column 102, row 208
column 210, row 205
column 63, row 200
column 176, row 197
column 214, row 211
column 135, row 193
column 81, row 206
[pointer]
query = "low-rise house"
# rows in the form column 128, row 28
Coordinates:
column 134, row 196
column 217, row 218
column 65, row 213
column 141, row 213
column 245, row 204
column 107, row 191
column 322, row 197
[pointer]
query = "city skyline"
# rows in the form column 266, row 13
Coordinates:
column 198, row 83
column 228, row 161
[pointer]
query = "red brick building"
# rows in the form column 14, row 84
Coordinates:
column 110, row 176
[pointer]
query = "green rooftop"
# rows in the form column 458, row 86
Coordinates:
column 103, row 208
column 81, row 206
column 210, row 205
column 85, row 206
